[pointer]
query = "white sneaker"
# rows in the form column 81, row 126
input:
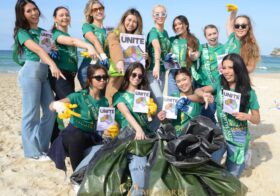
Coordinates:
column 76, row 188
column 41, row 158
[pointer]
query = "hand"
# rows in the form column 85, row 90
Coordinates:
column 183, row 104
column 92, row 53
column 120, row 67
column 161, row 115
column 156, row 72
column 145, row 55
column 231, row 8
column 59, row 107
column 170, row 58
column 140, row 135
column 56, row 73
column 208, row 98
column 193, row 54
column 104, row 60
column 241, row 116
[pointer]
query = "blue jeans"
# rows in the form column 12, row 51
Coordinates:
column 156, row 87
column 36, row 93
column 82, row 72
column 235, row 169
column 137, row 166
column 172, row 86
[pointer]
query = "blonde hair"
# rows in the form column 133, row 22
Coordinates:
column 159, row 5
column 88, row 11
column 121, row 28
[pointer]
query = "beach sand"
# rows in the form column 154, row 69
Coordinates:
column 20, row 176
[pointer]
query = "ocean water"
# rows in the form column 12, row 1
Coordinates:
column 268, row 64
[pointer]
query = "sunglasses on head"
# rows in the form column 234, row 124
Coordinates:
column 134, row 75
column 98, row 9
column 101, row 77
column 240, row 26
column 159, row 14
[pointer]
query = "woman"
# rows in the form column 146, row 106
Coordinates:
column 234, row 78
column 68, row 58
column 81, row 132
column 33, row 80
column 158, row 45
column 131, row 23
column 241, row 40
column 208, row 71
column 94, row 34
column 191, row 106
column 134, row 79
column 185, row 48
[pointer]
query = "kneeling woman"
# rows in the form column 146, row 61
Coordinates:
column 81, row 132
column 134, row 79
column 189, row 105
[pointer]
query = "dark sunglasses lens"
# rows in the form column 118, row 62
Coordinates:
column 99, row 78
column 134, row 75
column 242, row 26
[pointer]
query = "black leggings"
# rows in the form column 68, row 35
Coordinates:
column 76, row 141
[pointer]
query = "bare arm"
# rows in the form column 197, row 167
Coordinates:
column 254, row 117
column 93, row 39
column 34, row 47
column 251, row 66
column 157, row 50
column 230, row 22
column 124, row 110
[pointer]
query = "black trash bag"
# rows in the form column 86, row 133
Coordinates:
column 107, row 172
column 183, row 166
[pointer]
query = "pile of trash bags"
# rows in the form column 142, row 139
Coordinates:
column 176, row 165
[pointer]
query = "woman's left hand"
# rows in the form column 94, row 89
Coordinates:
column 241, row 116
column 145, row 55
column 140, row 135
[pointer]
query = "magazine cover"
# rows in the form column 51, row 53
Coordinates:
column 141, row 99
column 231, row 101
column 169, row 106
column 106, row 118
column 46, row 41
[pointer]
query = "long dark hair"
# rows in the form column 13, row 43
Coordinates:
column 55, row 13
column 21, row 21
column 242, row 79
column 91, row 71
column 131, row 67
column 192, row 40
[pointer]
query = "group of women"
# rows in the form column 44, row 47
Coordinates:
column 199, row 76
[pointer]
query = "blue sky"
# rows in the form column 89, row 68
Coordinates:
column 265, row 16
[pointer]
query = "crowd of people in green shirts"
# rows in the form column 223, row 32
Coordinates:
column 205, row 70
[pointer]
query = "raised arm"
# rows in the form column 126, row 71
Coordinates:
column 34, row 47
column 140, row 135
column 230, row 22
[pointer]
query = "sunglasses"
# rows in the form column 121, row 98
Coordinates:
column 160, row 15
column 134, row 75
column 240, row 26
column 100, row 9
column 99, row 78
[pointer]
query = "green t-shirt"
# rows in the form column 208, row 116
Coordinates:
column 164, row 42
column 208, row 70
column 232, row 121
column 32, row 34
column 232, row 45
column 86, row 122
column 128, row 99
column 179, row 48
column 68, row 57
column 183, row 118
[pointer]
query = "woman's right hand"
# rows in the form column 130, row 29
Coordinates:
column 120, row 67
column 56, row 73
column 92, row 53
column 161, row 115
column 208, row 98
column 140, row 135
column 156, row 72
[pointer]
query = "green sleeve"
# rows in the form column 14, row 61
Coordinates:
column 87, row 28
column 117, row 98
column 22, row 36
column 73, row 97
column 152, row 36
column 56, row 34
column 253, row 102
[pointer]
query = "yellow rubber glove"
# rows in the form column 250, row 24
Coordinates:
column 68, row 112
column 85, row 54
column 152, row 109
column 231, row 7
column 113, row 131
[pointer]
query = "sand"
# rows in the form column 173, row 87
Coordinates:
column 20, row 176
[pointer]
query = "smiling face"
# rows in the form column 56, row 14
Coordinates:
column 179, row 27
column 31, row 13
column 183, row 82
column 241, row 27
column 130, row 23
column 211, row 35
column 62, row 18
column 136, row 77
column 97, row 12
column 228, row 72
column 159, row 15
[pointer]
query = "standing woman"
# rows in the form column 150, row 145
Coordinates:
column 241, row 40
column 185, row 47
column 234, row 78
column 134, row 79
column 131, row 23
column 33, row 80
column 158, row 45
column 68, row 58
column 94, row 34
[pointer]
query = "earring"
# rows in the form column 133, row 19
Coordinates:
column 55, row 24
